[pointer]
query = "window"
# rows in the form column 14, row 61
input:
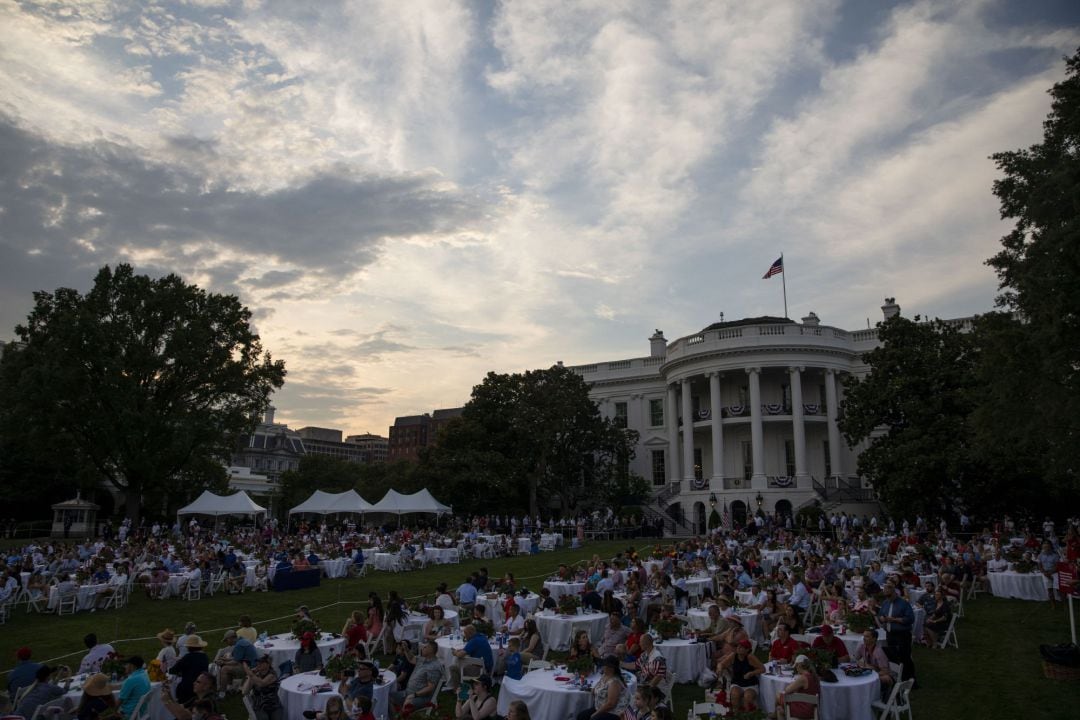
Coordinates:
column 697, row 464
column 822, row 396
column 785, row 393
column 659, row 468
column 828, row 460
column 744, row 396
column 656, row 412
column 747, row 460
column 620, row 415
column 789, row 457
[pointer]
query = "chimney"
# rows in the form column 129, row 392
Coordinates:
column 657, row 344
column 811, row 319
column 890, row 308
column 270, row 414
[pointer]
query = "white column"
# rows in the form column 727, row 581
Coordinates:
column 688, row 434
column 757, row 432
column 671, row 415
column 717, row 429
column 834, row 429
column 798, row 427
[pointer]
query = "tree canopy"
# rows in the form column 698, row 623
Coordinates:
column 144, row 382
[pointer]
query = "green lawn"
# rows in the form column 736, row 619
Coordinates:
column 996, row 673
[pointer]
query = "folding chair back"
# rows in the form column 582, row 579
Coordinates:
column 800, row 698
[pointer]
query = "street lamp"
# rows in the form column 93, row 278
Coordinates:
column 712, row 509
column 760, row 500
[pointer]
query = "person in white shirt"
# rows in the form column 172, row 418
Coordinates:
column 515, row 623
column 92, row 662
column 758, row 597
column 997, row 563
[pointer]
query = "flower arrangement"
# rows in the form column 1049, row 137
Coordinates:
column 859, row 620
column 338, row 664
column 772, row 545
column 822, row 659
column 485, row 628
column 1014, row 553
column 667, row 627
column 568, row 604
column 582, row 665
column 113, row 665
column 391, row 548
column 565, row 574
column 1025, row 566
column 303, row 626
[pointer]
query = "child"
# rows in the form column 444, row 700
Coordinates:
column 513, row 658
column 363, row 707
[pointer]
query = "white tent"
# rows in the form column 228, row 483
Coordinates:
column 210, row 504
column 419, row 502
column 324, row 503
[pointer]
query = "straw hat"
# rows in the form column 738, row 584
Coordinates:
column 194, row 641
column 167, row 636
column 97, row 685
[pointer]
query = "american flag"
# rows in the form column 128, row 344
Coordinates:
column 775, row 269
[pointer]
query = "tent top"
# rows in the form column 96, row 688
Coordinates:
column 210, row 504
column 419, row 502
column 324, row 503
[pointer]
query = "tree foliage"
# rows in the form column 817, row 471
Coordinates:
column 1038, row 408
column 143, row 382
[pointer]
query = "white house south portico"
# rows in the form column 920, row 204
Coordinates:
column 743, row 413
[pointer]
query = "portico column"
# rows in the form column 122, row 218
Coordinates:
column 688, row 433
column 834, row 429
column 671, row 415
column 716, row 426
column 798, row 427
column 757, row 433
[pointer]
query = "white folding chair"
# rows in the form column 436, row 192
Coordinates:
column 249, row 707
column 52, row 708
column 67, row 603
column 215, row 583
column 899, row 701
column 800, row 697
column 897, row 670
column 431, row 706
column 949, row 638
column 535, row 664
column 142, row 709
column 193, row 591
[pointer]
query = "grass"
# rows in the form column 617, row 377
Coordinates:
column 996, row 673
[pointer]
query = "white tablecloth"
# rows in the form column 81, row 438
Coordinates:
column 85, row 596
column 154, row 705
column 419, row 619
column 250, row 568
column 559, row 588
column 1027, row 586
column 284, row 647
column 296, row 696
column 336, row 568
column 442, row 556
column 547, row 698
column 555, row 539
column 493, row 607
column 685, row 659
column 524, row 544
column 697, row 584
column 446, row 647
column 847, row 699
column 383, row 561
column 557, row 630
column 751, row 620
column 867, row 555
column 852, row 640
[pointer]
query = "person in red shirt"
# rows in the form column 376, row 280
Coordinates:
column 784, row 647
column 828, row 641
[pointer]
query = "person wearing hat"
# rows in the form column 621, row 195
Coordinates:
column 745, row 669
column 97, row 698
column 238, row 653
column 734, row 635
column 806, row 682
column 181, row 642
column 43, row 689
column 828, row 641
column 480, row 703
column 24, row 671
column 308, row 657
column 190, row 667
column 167, row 656
column 136, row 684
column 609, row 697
column 262, row 686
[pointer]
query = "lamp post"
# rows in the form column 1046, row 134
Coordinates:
column 712, row 509
column 759, row 500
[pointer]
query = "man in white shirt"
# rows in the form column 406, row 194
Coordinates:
column 758, row 597
column 515, row 623
column 997, row 563
column 92, row 662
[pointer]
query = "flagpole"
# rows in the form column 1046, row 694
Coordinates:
column 783, row 279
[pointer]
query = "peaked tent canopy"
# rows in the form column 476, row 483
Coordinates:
column 419, row 502
column 210, row 504
column 324, row 503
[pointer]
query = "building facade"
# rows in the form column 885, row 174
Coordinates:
column 328, row 442
column 375, row 447
column 741, row 416
column 411, row 433
column 270, row 449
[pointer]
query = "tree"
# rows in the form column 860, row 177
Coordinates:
column 147, row 382
column 1039, row 273
column 913, row 410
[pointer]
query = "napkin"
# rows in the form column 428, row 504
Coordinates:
column 562, row 678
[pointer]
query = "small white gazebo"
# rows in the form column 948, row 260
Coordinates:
column 74, row 518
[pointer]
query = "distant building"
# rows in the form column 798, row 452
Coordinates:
column 270, row 449
column 376, row 447
column 325, row 441
column 410, row 433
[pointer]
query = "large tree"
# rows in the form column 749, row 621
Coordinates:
column 912, row 410
column 145, row 382
column 1037, row 406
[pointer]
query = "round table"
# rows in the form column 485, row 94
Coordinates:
column 852, row 640
column 85, row 596
column 867, row 555
column 493, row 606
column 524, row 545
column 419, row 619
column 849, row 698
column 154, row 706
column 557, row 630
column 336, row 568
column 769, row 558
column 250, row 568
column 384, row 560
column 282, row 648
column 685, row 658
column 558, row 588
column 295, row 693
column 442, row 556
column 698, row 583
column 547, row 697
column 1024, row 586
column 751, row 620
column 445, row 647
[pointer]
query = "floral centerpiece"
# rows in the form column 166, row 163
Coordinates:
column 568, row 604
column 565, row 574
column 485, row 628
column 113, row 665
column 859, row 620
column 668, row 627
column 1025, row 566
column 304, row 626
column 582, row 665
column 1014, row 553
column 772, row 545
column 338, row 664
column 391, row 548
column 823, row 661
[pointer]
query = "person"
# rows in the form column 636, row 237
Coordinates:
column 1048, row 560
column 512, row 665
column 546, row 601
column 633, row 639
column 404, row 663
column 420, row 690
column 518, row 710
column 476, row 646
column 181, row 642
column 261, row 686
column 515, row 623
column 827, row 640
column 361, row 685
column 374, row 621
column 532, row 645
column 582, row 647
column 479, row 704
column 355, row 630
column 200, row 703
column 443, row 598
column 97, row 699
column 806, row 682
column 246, row 631
column 466, row 596
column 190, row 667
column 651, row 666
column 897, row 618
column 436, row 626
column 397, row 619
column 91, row 663
column 167, row 656
column 136, row 684
column 308, row 657
column 363, row 709
column 609, row 699
column 615, row 635
column 44, row 689
column 745, row 669
column 784, row 647
column 334, row 710
column 24, row 671
column 232, row 666
column 871, row 655
column 937, row 621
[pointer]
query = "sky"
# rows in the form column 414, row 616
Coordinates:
column 409, row 194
